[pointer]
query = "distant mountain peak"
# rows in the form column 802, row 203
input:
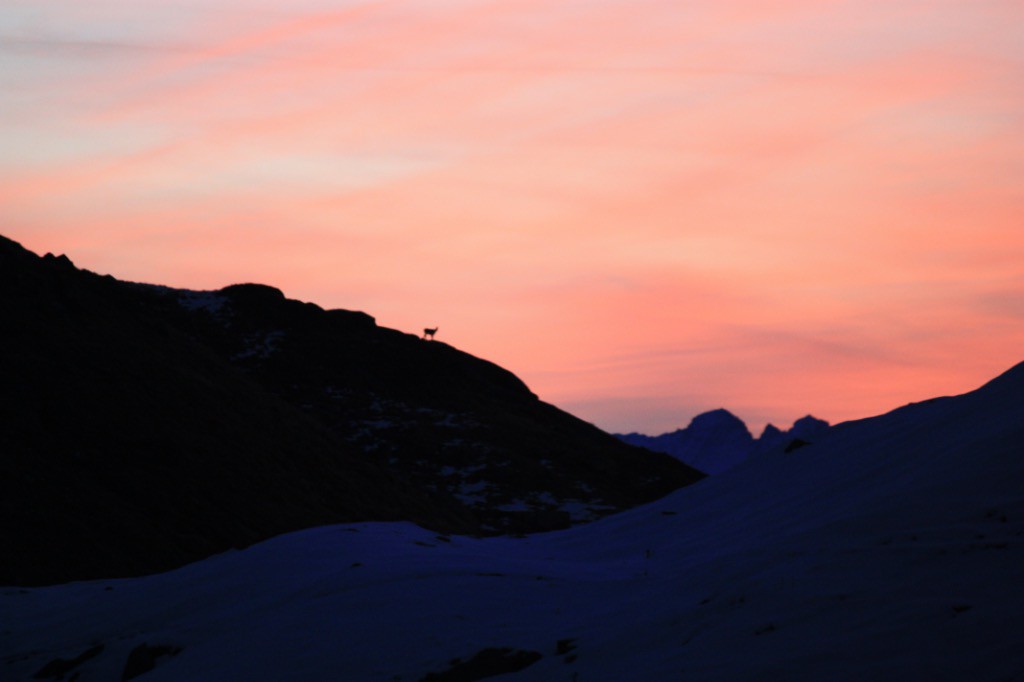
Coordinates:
column 808, row 427
column 717, row 418
column 717, row 440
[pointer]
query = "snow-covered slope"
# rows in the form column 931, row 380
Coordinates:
column 890, row 549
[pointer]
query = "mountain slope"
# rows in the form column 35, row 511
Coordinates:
column 142, row 431
column 450, row 422
column 128, row 447
column 888, row 550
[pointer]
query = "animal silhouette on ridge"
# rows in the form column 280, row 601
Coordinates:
column 430, row 333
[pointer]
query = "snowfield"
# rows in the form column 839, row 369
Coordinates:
column 890, row 549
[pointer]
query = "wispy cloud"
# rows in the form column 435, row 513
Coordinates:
column 741, row 203
column 55, row 47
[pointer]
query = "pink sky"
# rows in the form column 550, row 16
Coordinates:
column 644, row 208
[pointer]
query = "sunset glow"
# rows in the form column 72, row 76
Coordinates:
column 644, row 208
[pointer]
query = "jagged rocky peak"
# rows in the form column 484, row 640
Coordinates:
column 720, row 422
column 713, row 441
column 718, row 440
column 805, row 429
column 808, row 427
column 61, row 260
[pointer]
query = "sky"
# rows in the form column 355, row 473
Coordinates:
column 644, row 208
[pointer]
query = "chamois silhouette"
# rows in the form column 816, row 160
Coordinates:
column 429, row 333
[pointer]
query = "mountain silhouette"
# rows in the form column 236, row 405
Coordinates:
column 147, row 427
column 718, row 440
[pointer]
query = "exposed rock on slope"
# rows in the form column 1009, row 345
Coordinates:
column 144, row 427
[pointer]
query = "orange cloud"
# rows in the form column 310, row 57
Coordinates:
column 773, row 207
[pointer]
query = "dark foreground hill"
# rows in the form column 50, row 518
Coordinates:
column 143, row 428
column 889, row 549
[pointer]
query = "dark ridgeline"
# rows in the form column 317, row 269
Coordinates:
column 146, row 427
column 716, row 441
